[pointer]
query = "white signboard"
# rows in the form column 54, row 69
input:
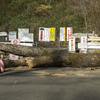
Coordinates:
column 12, row 35
column 24, row 35
column 93, row 46
column 12, row 56
column 6, row 42
column 3, row 33
column 69, row 32
column 85, row 46
column 27, row 38
column 83, row 39
column 82, row 45
column 5, row 38
column 41, row 34
column 46, row 34
column 72, row 43
column 62, row 33
column 26, row 44
column 15, row 41
column 31, row 36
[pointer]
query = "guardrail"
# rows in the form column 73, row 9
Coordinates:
column 88, row 46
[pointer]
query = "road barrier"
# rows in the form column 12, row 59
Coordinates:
column 2, row 64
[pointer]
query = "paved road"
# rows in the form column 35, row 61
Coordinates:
column 50, row 84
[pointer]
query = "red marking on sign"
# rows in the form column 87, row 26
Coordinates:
column 15, row 42
column 83, row 39
column 70, row 30
column 71, row 37
column 13, row 56
column 51, row 33
column 41, row 35
column 71, row 45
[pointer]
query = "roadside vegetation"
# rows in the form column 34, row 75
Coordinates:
column 79, row 14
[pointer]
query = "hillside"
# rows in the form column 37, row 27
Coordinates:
column 79, row 14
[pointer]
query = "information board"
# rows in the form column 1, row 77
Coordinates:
column 83, row 39
column 24, row 35
column 62, row 33
column 52, row 33
column 12, row 35
column 82, row 45
column 41, row 34
column 69, row 32
column 3, row 33
column 72, row 43
column 47, row 34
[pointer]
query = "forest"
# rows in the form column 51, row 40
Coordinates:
column 82, row 15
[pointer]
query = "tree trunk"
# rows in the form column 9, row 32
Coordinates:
column 23, row 50
column 29, row 61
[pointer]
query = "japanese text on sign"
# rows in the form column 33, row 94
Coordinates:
column 69, row 32
column 72, row 44
column 52, row 34
column 83, row 39
column 62, row 33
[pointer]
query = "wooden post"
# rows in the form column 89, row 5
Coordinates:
column 58, row 43
column 7, row 36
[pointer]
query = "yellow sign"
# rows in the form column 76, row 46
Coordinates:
column 52, row 33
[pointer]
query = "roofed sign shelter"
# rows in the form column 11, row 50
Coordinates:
column 83, row 39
